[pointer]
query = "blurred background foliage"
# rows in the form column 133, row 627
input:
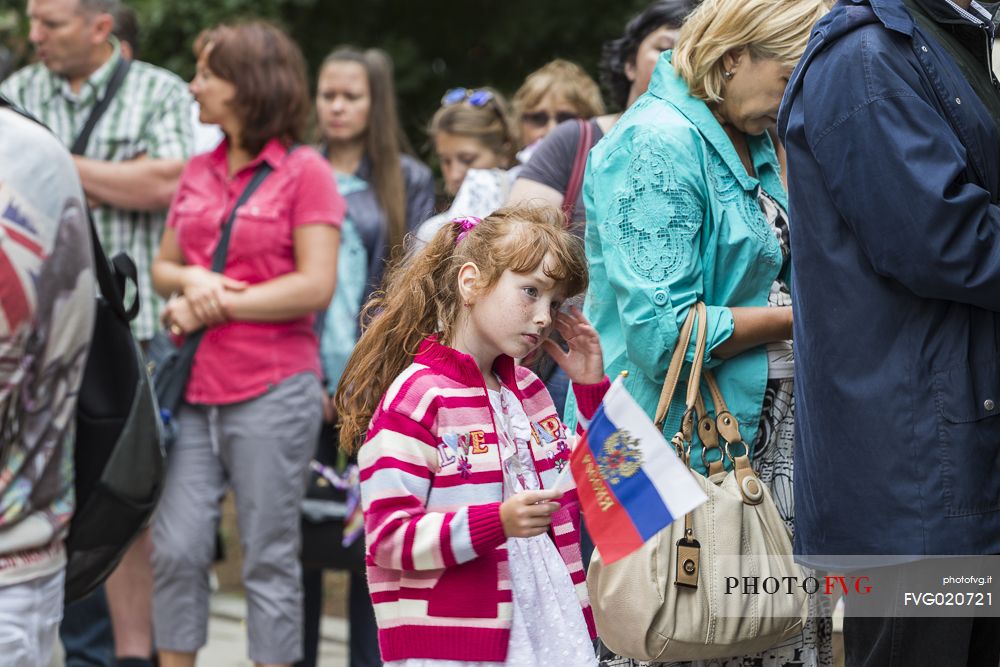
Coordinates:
column 436, row 44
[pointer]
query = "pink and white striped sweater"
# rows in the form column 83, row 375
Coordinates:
column 431, row 488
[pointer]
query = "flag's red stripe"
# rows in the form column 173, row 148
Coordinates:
column 608, row 522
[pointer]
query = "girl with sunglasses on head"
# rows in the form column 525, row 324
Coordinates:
column 475, row 142
column 473, row 556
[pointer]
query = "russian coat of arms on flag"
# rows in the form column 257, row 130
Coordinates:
column 630, row 482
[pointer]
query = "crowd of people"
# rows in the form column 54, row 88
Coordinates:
column 437, row 353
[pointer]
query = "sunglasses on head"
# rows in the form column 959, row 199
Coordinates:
column 540, row 118
column 476, row 97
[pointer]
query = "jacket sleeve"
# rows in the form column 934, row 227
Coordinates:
column 588, row 399
column 397, row 464
column 650, row 203
column 419, row 193
column 917, row 218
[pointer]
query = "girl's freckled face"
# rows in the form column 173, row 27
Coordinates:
column 518, row 313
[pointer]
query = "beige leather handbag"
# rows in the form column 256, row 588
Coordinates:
column 668, row 600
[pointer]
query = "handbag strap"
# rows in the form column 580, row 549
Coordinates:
column 708, row 433
column 696, row 316
column 728, row 426
column 674, row 370
column 117, row 78
column 260, row 174
column 694, row 378
column 682, row 438
column 576, row 175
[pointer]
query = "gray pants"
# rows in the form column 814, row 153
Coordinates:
column 262, row 448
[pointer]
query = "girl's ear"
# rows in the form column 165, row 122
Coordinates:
column 468, row 278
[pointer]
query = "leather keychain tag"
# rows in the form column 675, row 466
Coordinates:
column 688, row 562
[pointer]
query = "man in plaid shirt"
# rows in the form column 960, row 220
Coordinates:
column 137, row 150
column 129, row 171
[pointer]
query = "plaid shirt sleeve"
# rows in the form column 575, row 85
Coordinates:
column 13, row 88
column 169, row 134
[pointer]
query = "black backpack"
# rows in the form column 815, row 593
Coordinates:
column 118, row 456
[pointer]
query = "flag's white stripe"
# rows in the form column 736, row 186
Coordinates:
column 668, row 474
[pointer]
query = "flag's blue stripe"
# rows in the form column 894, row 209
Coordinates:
column 636, row 493
column 600, row 422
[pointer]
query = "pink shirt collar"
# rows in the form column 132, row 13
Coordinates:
column 274, row 152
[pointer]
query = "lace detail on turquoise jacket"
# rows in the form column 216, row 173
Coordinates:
column 727, row 191
column 654, row 195
column 674, row 219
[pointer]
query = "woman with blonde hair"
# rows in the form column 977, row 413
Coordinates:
column 556, row 92
column 686, row 204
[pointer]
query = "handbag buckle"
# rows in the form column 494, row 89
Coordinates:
column 688, row 562
column 679, row 445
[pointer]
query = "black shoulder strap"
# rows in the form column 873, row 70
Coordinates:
column 117, row 78
column 112, row 288
column 262, row 171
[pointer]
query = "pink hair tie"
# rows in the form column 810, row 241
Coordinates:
column 466, row 223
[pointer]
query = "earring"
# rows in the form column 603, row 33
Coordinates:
column 727, row 74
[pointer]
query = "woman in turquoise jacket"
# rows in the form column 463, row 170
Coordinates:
column 686, row 204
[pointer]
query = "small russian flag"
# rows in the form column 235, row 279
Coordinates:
column 630, row 482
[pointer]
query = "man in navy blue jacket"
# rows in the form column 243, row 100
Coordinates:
column 891, row 126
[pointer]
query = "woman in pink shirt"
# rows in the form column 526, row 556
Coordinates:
column 253, row 403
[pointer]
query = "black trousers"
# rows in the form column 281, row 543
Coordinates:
column 915, row 642
column 892, row 639
column 362, row 628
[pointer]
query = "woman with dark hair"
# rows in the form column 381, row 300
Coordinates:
column 388, row 192
column 253, row 403
column 627, row 63
column 626, row 66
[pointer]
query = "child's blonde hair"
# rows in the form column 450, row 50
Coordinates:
column 421, row 298
column 490, row 124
